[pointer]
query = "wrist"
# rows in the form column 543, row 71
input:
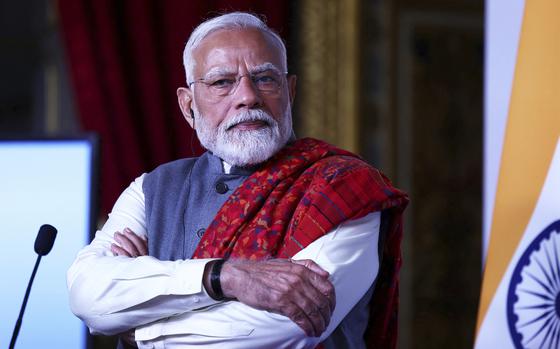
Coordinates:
column 226, row 280
column 215, row 283
column 213, row 278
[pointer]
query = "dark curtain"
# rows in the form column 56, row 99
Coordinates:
column 125, row 61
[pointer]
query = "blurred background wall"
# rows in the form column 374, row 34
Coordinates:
column 399, row 82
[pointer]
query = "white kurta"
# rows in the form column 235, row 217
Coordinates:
column 168, row 306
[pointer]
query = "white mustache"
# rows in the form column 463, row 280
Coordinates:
column 249, row 116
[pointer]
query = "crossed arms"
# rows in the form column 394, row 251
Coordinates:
column 167, row 300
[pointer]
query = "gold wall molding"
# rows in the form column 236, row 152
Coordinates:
column 328, row 83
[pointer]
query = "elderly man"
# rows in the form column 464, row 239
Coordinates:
column 264, row 241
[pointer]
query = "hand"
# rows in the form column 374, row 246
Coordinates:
column 299, row 290
column 129, row 244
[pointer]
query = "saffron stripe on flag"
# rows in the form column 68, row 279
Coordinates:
column 533, row 129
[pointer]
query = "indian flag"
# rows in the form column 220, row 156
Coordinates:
column 520, row 297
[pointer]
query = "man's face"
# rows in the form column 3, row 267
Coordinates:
column 251, row 122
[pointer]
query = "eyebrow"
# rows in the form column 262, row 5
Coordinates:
column 218, row 71
column 264, row 67
column 221, row 71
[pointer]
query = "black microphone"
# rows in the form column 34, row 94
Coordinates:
column 43, row 245
column 45, row 240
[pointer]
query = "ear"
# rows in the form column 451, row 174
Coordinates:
column 184, row 97
column 292, row 79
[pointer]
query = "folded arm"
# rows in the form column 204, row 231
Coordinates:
column 113, row 293
column 166, row 301
column 298, row 289
column 349, row 254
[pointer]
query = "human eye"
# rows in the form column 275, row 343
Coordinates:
column 221, row 83
column 267, row 79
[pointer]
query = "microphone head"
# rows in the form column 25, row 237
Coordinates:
column 45, row 239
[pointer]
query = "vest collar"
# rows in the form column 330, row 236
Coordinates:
column 216, row 166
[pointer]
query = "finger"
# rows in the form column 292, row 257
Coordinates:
column 126, row 244
column 322, row 292
column 309, row 264
column 324, row 286
column 316, row 306
column 298, row 316
column 119, row 251
column 327, row 313
column 139, row 243
column 320, row 288
column 314, row 315
column 320, row 313
column 302, row 292
column 332, row 298
column 326, row 290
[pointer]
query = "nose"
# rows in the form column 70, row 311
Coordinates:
column 246, row 94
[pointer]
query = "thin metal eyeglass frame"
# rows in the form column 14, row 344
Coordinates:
column 236, row 84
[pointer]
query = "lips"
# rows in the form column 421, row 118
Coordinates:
column 249, row 125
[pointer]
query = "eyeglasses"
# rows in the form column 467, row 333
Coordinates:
column 268, row 82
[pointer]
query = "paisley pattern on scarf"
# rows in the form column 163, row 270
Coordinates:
column 299, row 195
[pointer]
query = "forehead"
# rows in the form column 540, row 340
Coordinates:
column 237, row 49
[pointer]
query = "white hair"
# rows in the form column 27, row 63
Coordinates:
column 246, row 147
column 229, row 21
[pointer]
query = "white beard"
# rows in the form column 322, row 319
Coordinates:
column 246, row 147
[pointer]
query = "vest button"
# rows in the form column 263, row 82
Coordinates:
column 200, row 232
column 221, row 188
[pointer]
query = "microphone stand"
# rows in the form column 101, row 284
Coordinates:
column 22, row 310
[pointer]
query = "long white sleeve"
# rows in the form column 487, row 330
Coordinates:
column 349, row 254
column 112, row 294
column 168, row 305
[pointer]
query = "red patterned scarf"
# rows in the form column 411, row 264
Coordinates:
column 302, row 193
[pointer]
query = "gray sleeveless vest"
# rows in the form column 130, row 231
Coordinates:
column 181, row 199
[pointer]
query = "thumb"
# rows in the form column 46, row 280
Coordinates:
column 314, row 267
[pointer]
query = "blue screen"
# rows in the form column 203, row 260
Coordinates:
column 42, row 182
